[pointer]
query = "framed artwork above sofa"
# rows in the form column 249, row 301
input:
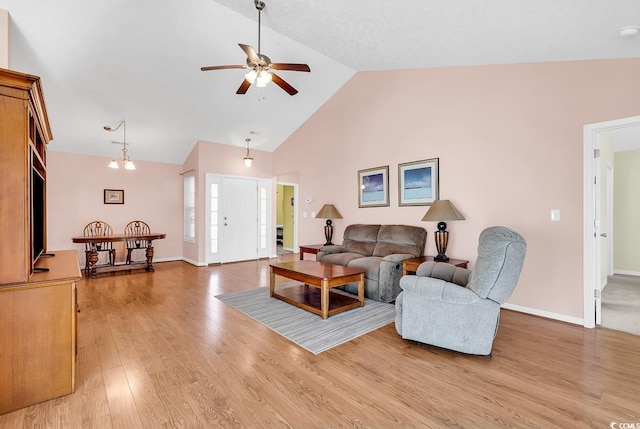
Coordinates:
column 373, row 187
column 418, row 182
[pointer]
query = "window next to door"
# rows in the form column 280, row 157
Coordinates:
column 190, row 209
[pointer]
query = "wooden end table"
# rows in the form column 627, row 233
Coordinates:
column 318, row 299
column 411, row 265
column 309, row 248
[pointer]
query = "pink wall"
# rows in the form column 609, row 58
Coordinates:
column 207, row 157
column 509, row 139
column 152, row 193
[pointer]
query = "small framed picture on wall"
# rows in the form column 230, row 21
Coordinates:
column 114, row 196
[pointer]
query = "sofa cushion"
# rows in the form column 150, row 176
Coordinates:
column 371, row 265
column 340, row 258
column 400, row 239
column 361, row 239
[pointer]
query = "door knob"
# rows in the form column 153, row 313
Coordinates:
column 604, row 234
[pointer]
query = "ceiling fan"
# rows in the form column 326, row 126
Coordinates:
column 261, row 66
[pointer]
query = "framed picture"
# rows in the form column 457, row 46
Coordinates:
column 373, row 187
column 114, row 196
column 418, row 183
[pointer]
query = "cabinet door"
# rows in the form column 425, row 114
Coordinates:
column 37, row 356
column 15, row 265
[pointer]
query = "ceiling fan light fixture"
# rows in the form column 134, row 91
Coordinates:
column 264, row 77
column 114, row 164
column 260, row 65
column 251, row 76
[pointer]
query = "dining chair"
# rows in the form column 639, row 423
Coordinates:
column 136, row 228
column 98, row 228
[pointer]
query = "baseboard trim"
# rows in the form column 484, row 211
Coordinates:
column 626, row 273
column 175, row 258
column 192, row 262
column 546, row 314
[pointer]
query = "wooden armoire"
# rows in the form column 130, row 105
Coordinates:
column 38, row 299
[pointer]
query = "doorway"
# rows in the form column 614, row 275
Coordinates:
column 238, row 215
column 596, row 197
column 286, row 217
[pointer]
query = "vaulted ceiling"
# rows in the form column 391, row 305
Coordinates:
column 102, row 61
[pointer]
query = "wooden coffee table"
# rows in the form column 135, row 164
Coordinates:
column 317, row 299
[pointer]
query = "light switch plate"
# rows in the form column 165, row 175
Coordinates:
column 555, row 215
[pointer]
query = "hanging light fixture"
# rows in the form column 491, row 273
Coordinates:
column 260, row 70
column 247, row 159
column 126, row 161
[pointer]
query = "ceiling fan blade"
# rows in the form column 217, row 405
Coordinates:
column 282, row 84
column 251, row 53
column 290, row 66
column 244, row 86
column 237, row 66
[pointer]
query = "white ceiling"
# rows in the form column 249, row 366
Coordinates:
column 107, row 60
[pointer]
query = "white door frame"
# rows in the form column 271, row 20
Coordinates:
column 590, row 261
column 609, row 198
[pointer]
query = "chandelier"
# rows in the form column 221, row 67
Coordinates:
column 126, row 161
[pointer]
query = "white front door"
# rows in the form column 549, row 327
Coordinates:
column 239, row 220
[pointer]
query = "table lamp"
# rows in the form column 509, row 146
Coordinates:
column 440, row 211
column 328, row 212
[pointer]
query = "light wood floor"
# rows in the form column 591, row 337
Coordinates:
column 158, row 350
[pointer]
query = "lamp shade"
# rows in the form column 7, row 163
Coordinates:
column 329, row 211
column 442, row 210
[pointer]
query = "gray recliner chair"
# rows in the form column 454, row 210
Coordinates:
column 456, row 308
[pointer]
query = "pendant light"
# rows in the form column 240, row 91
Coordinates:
column 126, row 161
column 247, row 159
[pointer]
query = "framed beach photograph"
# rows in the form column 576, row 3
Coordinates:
column 418, row 183
column 114, row 196
column 373, row 187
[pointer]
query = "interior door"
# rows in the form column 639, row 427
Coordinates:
column 239, row 219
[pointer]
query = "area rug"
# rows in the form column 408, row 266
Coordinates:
column 306, row 329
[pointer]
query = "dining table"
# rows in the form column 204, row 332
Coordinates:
column 94, row 241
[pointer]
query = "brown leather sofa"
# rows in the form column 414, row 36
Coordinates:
column 379, row 250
